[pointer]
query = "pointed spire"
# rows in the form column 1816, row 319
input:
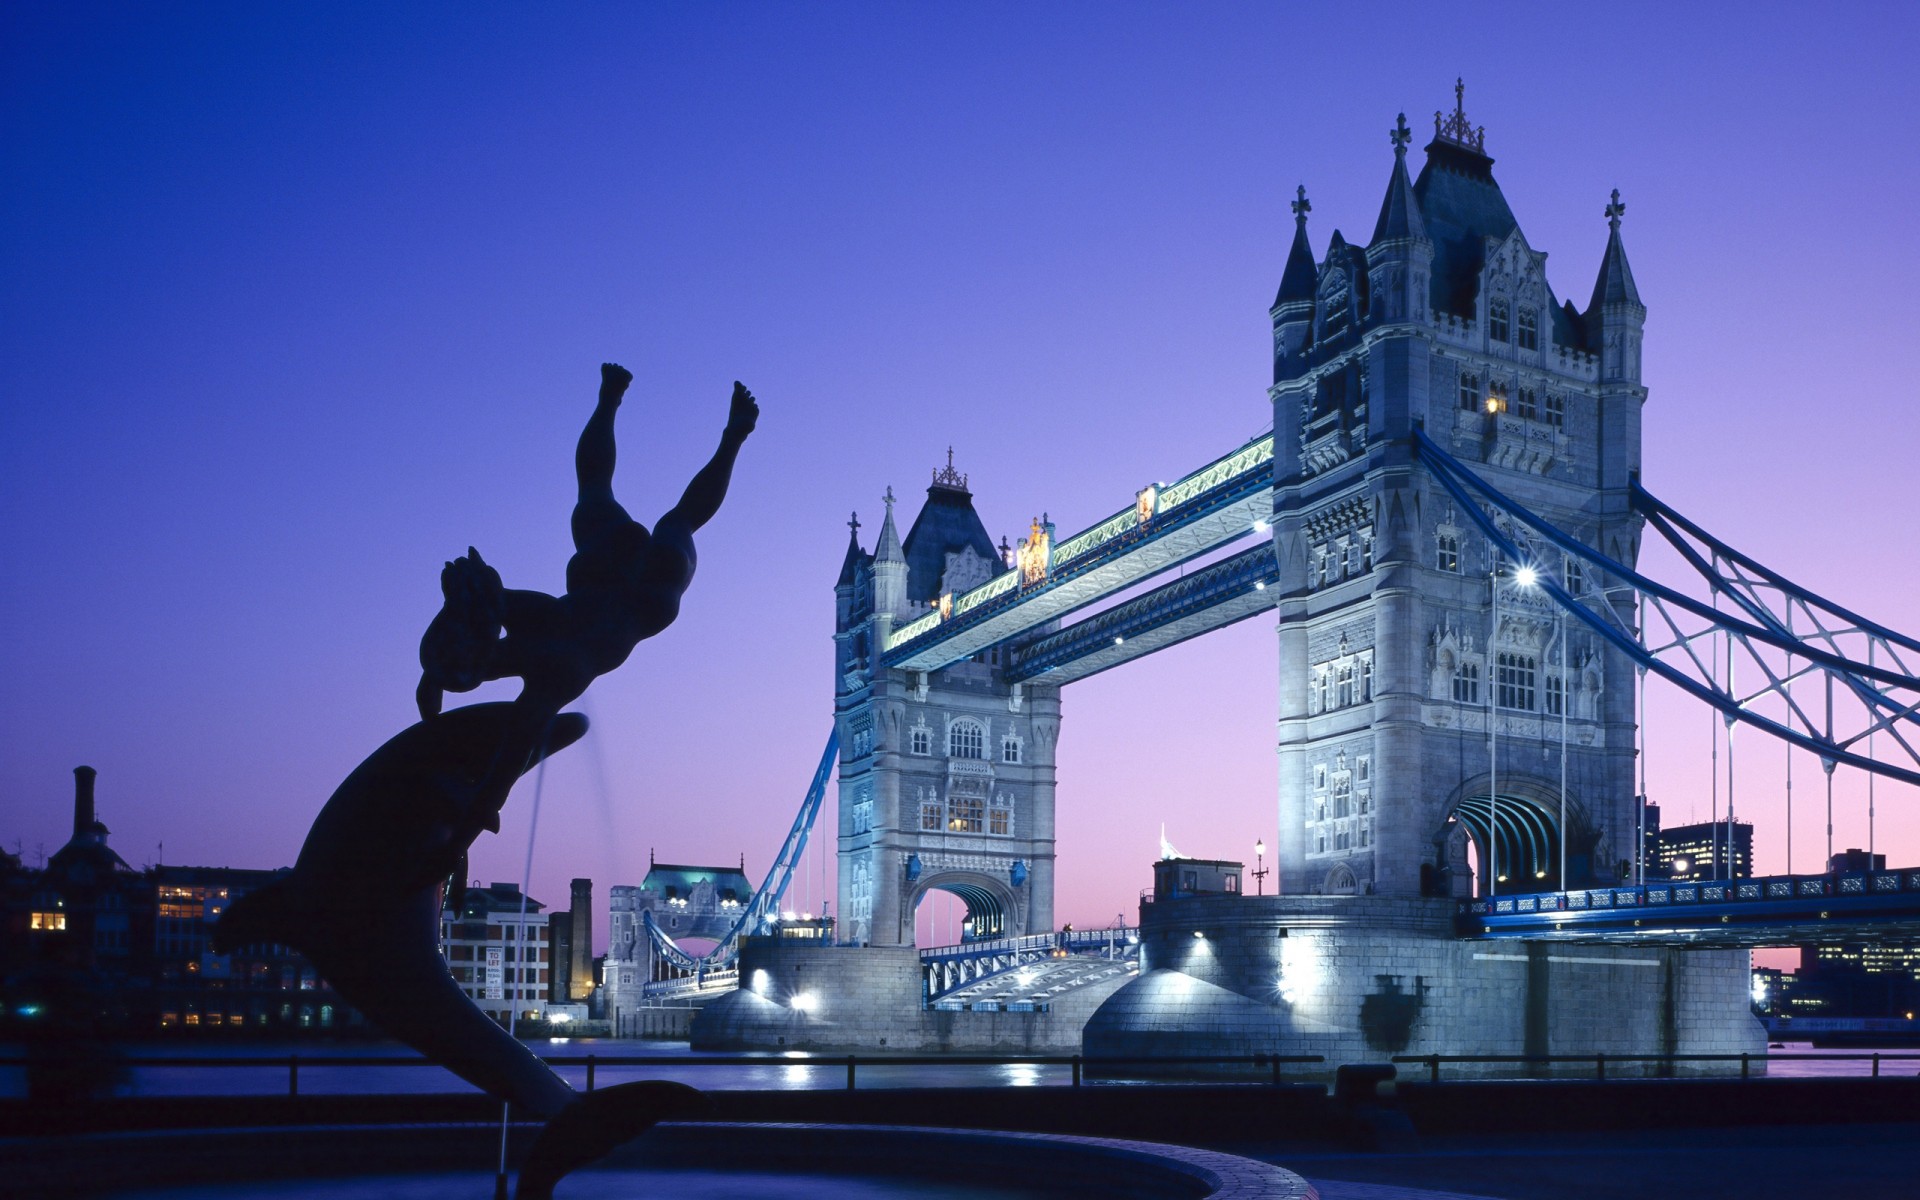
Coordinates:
column 1400, row 210
column 1299, row 281
column 887, row 549
column 850, row 565
column 1615, row 283
column 1456, row 128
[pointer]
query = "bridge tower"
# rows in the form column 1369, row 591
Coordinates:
column 1391, row 666
column 1423, row 690
column 946, row 777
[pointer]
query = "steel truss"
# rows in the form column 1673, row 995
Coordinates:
column 760, row 911
column 1827, row 679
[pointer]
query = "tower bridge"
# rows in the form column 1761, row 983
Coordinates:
column 1445, row 523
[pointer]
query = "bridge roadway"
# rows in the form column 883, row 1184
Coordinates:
column 1024, row 973
column 1779, row 910
column 1221, row 502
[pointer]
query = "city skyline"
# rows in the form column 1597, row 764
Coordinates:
column 300, row 308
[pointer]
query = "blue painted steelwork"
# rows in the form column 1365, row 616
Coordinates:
column 1232, row 490
column 1170, row 602
column 1605, row 621
column 758, row 912
column 1774, row 910
column 946, row 969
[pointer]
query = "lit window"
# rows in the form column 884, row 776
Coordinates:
column 1469, row 392
column 930, row 816
column 1556, row 410
column 1497, row 320
column 1496, row 397
column 49, row 920
column 1000, row 817
column 1466, row 683
column 1529, row 329
column 965, row 739
column 1515, row 681
column 1448, row 556
column 966, row 812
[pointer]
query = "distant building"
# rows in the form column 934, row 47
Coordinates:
column 107, row 948
column 570, row 935
column 496, row 945
column 685, row 902
column 263, row 988
column 1694, row 852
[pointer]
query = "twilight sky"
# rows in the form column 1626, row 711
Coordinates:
column 297, row 301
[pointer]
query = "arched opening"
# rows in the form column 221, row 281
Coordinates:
column 1509, row 842
column 952, row 911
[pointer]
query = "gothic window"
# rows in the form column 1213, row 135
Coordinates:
column 1466, row 683
column 1529, row 329
column 1326, row 689
column 1496, row 397
column 1529, row 404
column 965, row 739
column 1556, row 695
column 1323, row 843
column 966, row 812
column 1575, row 577
column 1448, row 556
column 1342, row 796
column 1556, row 410
column 1497, row 311
column 1000, row 816
column 1320, row 777
column 1514, row 681
column 1356, row 555
column 1346, row 678
column 1363, row 768
column 1010, row 749
column 1366, row 835
column 1366, row 552
column 930, row 814
column 863, row 810
column 920, row 740
column 1469, row 392
column 1366, row 678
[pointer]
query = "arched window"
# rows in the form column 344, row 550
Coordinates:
column 1469, row 392
column 1529, row 329
column 1010, row 749
column 920, row 740
column 1466, row 683
column 1497, row 312
column 966, row 739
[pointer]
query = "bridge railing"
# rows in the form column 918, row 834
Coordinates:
column 1066, row 939
column 1665, row 1063
column 1678, row 893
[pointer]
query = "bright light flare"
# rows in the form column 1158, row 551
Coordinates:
column 1526, row 577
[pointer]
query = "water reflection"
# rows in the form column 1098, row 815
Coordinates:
column 1019, row 1075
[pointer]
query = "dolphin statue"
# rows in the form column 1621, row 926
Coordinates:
column 363, row 904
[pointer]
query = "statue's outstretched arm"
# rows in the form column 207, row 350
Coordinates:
column 709, row 487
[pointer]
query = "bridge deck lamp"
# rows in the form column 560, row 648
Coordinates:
column 1260, row 867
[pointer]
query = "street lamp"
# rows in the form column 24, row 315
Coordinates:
column 1260, row 867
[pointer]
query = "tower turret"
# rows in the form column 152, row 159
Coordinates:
column 1293, row 307
column 1400, row 256
column 889, row 572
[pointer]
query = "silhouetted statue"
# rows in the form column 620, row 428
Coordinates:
column 363, row 900
column 624, row 585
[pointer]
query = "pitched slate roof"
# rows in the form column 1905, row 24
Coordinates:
column 946, row 525
column 672, row 880
column 1462, row 205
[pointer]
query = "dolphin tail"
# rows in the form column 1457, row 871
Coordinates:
column 265, row 915
column 597, row 1123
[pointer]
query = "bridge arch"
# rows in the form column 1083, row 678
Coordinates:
column 1525, row 814
column 992, row 906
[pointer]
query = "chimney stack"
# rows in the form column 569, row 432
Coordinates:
column 82, row 800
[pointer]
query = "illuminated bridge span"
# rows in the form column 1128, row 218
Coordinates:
column 1015, row 974
column 1167, row 525
column 1882, row 905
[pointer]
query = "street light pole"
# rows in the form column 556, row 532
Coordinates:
column 1260, row 867
column 1493, row 737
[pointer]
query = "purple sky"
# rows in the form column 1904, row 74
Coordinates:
column 295, row 304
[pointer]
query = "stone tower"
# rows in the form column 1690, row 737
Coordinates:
column 946, row 777
column 1390, row 667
